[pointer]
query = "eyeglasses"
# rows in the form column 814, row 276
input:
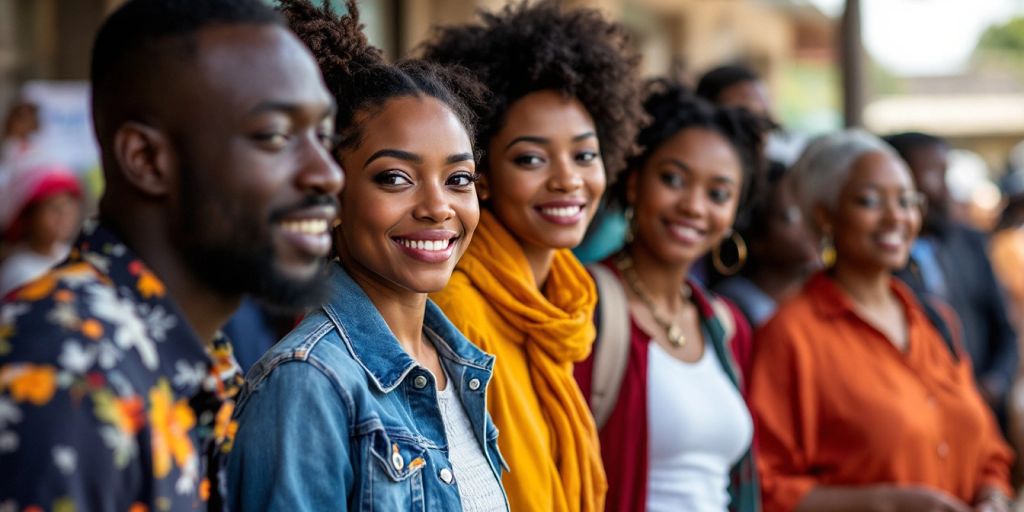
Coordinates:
column 905, row 200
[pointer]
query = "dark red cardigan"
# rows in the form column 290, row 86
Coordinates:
column 624, row 436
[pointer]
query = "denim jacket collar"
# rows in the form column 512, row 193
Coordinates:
column 371, row 342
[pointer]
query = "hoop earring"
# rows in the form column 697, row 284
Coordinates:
column 741, row 255
column 629, row 215
column 828, row 251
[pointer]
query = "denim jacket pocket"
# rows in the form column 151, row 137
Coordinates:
column 394, row 480
column 398, row 455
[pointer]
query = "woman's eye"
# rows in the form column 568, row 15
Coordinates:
column 869, row 201
column 912, row 200
column 392, row 179
column 528, row 161
column 462, row 179
column 720, row 195
column 587, row 156
column 274, row 139
column 672, row 179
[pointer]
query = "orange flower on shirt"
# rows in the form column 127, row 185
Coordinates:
column 38, row 288
column 128, row 414
column 92, row 328
column 149, row 285
column 29, row 382
column 171, row 422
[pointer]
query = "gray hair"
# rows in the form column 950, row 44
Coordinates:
column 822, row 170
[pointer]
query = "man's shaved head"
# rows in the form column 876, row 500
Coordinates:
column 145, row 43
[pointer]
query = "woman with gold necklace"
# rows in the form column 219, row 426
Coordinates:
column 675, row 431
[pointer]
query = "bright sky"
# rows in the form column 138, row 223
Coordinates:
column 917, row 37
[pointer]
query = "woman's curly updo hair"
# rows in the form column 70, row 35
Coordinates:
column 672, row 108
column 542, row 46
column 360, row 80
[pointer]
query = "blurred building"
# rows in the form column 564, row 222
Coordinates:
column 51, row 39
column 981, row 110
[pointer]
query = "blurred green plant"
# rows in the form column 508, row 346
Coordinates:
column 1001, row 46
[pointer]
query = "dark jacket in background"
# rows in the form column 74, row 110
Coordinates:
column 972, row 290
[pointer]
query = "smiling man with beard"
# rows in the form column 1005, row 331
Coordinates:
column 116, row 391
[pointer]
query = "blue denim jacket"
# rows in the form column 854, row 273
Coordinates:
column 336, row 416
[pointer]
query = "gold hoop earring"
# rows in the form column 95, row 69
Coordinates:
column 629, row 215
column 741, row 255
column 828, row 251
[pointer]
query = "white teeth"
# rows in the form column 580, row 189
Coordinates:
column 684, row 231
column 306, row 226
column 568, row 211
column 425, row 245
column 891, row 238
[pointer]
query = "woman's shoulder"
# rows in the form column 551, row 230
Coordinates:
column 314, row 346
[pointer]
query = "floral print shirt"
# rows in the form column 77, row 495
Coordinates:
column 108, row 400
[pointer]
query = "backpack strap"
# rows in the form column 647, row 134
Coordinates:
column 724, row 316
column 611, row 350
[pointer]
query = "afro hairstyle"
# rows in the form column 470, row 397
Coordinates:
column 525, row 48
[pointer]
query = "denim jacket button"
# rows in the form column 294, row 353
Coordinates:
column 474, row 384
column 396, row 458
column 447, row 476
column 420, row 382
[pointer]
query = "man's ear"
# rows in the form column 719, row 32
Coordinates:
column 145, row 157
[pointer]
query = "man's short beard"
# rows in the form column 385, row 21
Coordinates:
column 232, row 270
column 230, row 251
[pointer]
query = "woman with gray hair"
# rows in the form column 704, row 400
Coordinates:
column 858, row 401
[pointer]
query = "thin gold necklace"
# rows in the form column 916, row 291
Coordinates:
column 672, row 330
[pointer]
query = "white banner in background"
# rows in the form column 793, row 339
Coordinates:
column 66, row 134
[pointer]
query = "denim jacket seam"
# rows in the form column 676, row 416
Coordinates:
column 303, row 354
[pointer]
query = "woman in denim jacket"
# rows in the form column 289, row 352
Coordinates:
column 375, row 401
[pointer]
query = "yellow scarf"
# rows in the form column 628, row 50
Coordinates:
column 556, row 327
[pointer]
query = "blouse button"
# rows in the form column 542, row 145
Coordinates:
column 942, row 450
column 420, row 382
column 474, row 384
column 447, row 476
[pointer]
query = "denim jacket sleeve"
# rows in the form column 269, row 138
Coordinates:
column 292, row 448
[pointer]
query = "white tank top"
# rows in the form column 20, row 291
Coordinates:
column 699, row 427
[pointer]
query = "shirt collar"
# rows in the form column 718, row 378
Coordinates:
column 136, row 285
column 829, row 300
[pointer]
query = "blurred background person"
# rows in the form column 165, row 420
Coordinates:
column 41, row 216
column 675, row 431
column 1006, row 250
column 772, row 270
column 737, row 85
column 781, row 255
column 950, row 261
column 859, row 402
column 21, row 125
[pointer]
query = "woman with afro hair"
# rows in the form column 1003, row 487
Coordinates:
column 563, row 111
column 675, row 431
column 376, row 401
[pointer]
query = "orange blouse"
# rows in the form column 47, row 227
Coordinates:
column 836, row 404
